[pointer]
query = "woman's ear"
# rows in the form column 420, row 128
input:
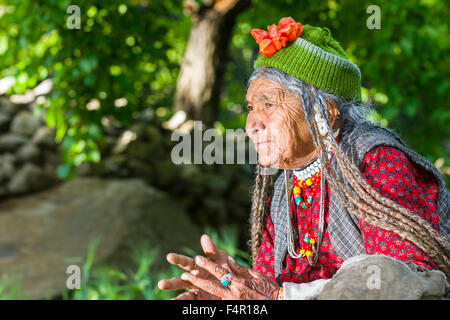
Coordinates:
column 333, row 111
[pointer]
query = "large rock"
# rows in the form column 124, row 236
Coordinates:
column 24, row 123
column 42, row 234
column 380, row 277
column 373, row 277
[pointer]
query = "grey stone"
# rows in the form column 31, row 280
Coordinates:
column 29, row 153
column 44, row 137
column 24, row 123
column 11, row 142
column 6, row 166
column 7, row 106
column 28, row 179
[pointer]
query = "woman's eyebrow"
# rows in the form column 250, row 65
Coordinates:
column 262, row 96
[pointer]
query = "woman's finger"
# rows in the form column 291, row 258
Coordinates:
column 211, row 250
column 212, row 287
column 238, row 269
column 173, row 284
column 184, row 262
column 209, row 265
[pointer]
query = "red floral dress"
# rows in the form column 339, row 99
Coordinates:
column 393, row 175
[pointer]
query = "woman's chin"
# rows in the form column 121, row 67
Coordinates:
column 268, row 162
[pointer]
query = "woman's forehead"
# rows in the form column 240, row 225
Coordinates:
column 260, row 89
column 263, row 89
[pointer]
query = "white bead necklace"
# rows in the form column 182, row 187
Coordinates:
column 308, row 171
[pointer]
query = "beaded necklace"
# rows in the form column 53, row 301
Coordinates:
column 312, row 174
column 303, row 179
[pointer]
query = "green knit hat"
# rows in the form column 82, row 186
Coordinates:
column 318, row 59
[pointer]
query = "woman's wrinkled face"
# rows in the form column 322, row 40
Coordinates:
column 277, row 126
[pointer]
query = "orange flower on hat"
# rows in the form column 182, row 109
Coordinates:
column 276, row 37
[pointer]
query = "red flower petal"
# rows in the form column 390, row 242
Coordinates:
column 289, row 31
column 276, row 37
column 259, row 35
column 285, row 21
column 280, row 42
column 267, row 47
column 273, row 31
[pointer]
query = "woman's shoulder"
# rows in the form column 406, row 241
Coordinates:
column 389, row 155
column 392, row 164
column 386, row 154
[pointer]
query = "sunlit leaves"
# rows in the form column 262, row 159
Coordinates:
column 124, row 50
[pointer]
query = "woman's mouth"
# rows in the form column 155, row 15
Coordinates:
column 263, row 144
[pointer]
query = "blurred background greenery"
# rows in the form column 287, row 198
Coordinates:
column 126, row 59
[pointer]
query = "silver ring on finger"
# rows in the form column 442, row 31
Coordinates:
column 226, row 280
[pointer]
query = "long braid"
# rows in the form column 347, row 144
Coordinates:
column 256, row 198
column 259, row 213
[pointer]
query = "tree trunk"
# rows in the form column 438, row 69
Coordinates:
column 200, row 78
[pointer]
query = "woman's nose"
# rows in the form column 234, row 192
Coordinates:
column 256, row 124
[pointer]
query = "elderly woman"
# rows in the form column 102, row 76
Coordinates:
column 348, row 188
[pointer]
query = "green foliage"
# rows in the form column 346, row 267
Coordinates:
column 107, row 282
column 123, row 51
column 10, row 288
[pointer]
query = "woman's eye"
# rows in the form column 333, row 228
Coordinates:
column 270, row 105
column 249, row 108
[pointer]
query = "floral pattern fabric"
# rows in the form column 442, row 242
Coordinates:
column 390, row 173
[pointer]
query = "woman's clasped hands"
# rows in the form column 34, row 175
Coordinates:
column 205, row 274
